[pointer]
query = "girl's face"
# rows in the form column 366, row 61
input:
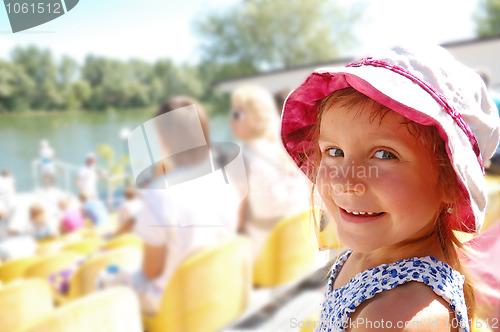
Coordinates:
column 375, row 178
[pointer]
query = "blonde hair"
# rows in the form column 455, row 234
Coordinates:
column 451, row 246
column 259, row 104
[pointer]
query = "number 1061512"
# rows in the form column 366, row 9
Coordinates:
column 40, row 8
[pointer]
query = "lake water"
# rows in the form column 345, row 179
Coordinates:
column 72, row 135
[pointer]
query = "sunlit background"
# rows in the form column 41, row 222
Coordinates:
column 126, row 55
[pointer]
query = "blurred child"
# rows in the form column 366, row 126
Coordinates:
column 71, row 217
column 42, row 227
column 395, row 145
column 86, row 180
column 94, row 209
column 47, row 156
column 4, row 220
column 7, row 183
column 128, row 210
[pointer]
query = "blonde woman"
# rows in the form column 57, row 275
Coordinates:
column 276, row 188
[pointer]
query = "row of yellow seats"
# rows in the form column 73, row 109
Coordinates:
column 30, row 309
column 211, row 288
column 89, row 240
column 17, row 268
column 82, row 281
column 91, row 245
column 206, row 292
column 287, row 254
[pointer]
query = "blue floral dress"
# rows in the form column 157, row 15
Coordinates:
column 340, row 303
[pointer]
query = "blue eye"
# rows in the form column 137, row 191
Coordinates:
column 383, row 154
column 334, row 152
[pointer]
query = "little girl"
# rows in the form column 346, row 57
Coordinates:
column 396, row 146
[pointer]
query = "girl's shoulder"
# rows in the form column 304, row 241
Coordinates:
column 436, row 274
column 410, row 307
column 418, row 288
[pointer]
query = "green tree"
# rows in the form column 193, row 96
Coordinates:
column 17, row 89
column 170, row 80
column 260, row 34
column 39, row 65
column 81, row 92
column 67, row 71
column 108, row 80
column 488, row 18
column 140, row 71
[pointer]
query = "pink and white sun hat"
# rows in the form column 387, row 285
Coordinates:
column 426, row 85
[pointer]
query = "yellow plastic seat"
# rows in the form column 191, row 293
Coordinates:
column 109, row 227
column 83, row 281
column 71, row 237
column 88, row 232
column 328, row 235
column 15, row 269
column 207, row 291
column 84, row 247
column 310, row 323
column 88, row 223
column 23, row 301
column 52, row 264
column 124, row 240
column 47, row 240
column 115, row 309
column 50, row 247
column 288, row 253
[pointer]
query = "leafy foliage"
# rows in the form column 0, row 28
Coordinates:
column 260, row 34
column 488, row 18
column 248, row 37
column 33, row 80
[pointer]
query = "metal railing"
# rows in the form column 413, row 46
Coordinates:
column 65, row 179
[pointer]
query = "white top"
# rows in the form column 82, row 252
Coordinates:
column 17, row 247
column 187, row 217
column 47, row 159
column 129, row 209
column 87, row 178
column 46, row 153
column 276, row 187
column 4, row 228
column 7, row 185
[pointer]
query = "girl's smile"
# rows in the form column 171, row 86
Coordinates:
column 358, row 216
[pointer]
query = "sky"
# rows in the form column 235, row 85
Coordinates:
column 153, row 29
